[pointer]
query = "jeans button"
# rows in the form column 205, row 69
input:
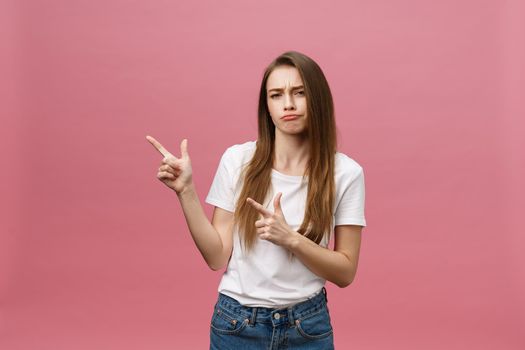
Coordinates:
column 277, row 316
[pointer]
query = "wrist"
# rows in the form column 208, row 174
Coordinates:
column 186, row 191
column 294, row 240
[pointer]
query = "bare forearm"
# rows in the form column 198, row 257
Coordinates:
column 202, row 231
column 326, row 263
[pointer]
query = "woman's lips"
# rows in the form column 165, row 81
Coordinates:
column 290, row 117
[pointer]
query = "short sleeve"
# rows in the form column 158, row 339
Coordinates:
column 351, row 208
column 221, row 191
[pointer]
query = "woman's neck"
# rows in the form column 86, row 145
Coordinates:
column 291, row 153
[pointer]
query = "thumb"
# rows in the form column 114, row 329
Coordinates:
column 277, row 203
column 184, row 148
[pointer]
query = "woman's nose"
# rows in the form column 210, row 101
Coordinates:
column 288, row 102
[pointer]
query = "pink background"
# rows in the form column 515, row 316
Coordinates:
column 94, row 250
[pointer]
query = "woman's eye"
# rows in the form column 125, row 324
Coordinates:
column 276, row 95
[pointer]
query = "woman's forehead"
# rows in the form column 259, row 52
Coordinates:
column 284, row 77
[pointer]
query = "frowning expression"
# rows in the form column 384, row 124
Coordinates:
column 287, row 100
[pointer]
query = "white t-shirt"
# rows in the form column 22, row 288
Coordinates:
column 266, row 277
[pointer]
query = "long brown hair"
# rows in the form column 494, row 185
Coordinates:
column 321, row 136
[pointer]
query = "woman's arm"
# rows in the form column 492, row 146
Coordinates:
column 214, row 242
column 339, row 265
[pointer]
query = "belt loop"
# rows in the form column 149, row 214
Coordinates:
column 254, row 315
column 325, row 295
column 290, row 315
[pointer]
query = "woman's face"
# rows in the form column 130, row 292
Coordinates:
column 286, row 96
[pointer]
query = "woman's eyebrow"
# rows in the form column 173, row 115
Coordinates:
column 281, row 89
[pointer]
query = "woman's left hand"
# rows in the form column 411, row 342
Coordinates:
column 272, row 226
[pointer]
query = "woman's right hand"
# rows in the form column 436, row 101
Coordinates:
column 174, row 172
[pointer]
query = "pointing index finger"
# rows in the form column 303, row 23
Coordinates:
column 158, row 146
column 259, row 207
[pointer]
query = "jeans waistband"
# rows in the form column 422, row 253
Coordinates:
column 273, row 315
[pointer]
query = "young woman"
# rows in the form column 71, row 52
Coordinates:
column 277, row 200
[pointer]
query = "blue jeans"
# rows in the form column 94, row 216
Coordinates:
column 305, row 325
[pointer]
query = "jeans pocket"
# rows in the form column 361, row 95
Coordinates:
column 316, row 325
column 224, row 322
